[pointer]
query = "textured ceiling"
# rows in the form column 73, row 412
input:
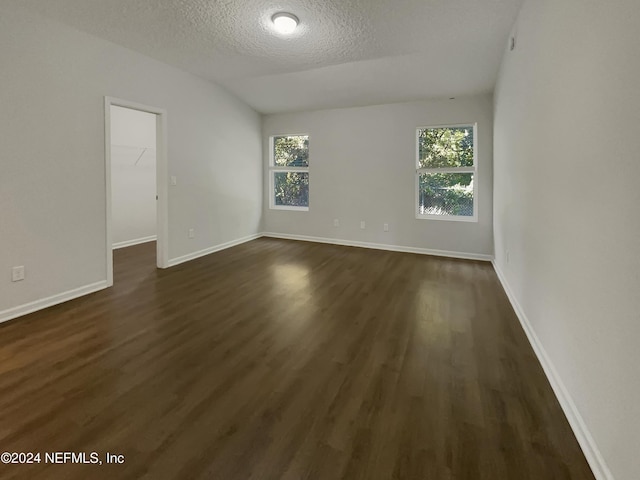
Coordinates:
column 344, row 53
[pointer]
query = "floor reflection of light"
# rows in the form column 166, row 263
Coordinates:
column 428, row 307
column 292, row 278
column 293, row 295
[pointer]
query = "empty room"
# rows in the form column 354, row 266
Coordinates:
column 358, row 239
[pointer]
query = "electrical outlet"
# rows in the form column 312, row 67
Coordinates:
column 362, row 224
column 174, row 180
column 385, row 227
column 17, row 273
column 192, row 233
column 336, row 222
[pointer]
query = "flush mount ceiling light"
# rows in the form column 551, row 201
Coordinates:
column 285, row 23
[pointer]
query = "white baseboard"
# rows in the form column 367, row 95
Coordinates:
column 43, row 303
column 136, row 241
column 580, row 430
column 380, row 246
column 216, row 248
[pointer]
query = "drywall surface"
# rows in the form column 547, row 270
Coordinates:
column 52, row 187
column 362, row 165
column 133, row 174
column 567, row 170
column 358, row 52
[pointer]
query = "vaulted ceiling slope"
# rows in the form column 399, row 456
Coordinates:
column 344, row 53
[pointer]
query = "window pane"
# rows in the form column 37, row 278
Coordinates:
column 291, row 151
column 291, row 189
column 446, row 194
column 445, row 147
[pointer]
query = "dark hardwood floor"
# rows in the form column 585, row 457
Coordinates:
column 285, row 360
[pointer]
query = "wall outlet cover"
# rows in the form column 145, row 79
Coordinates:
column 17, row 273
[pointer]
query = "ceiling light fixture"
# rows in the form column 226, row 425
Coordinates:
column 285, row 23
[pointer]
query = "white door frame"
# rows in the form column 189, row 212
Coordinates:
column 162, row 168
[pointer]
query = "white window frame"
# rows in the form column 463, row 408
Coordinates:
column 473, row 170
column 273, row 168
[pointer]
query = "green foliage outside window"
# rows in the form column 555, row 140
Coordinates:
column 445, row 193
column 291, row 187
column 291, row 151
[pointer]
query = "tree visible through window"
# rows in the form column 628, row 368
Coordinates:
column 445, row 174
column 290, row 172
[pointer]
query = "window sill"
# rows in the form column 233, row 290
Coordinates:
column 293, row 209
column 448, row 218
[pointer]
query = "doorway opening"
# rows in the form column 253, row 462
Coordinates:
column 136, row 166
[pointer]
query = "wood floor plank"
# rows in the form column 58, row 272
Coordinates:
column 287, row 360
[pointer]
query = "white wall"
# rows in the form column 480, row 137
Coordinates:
column 52, row 186
column 362, row 167
column 133, row 175
column 567, row 192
